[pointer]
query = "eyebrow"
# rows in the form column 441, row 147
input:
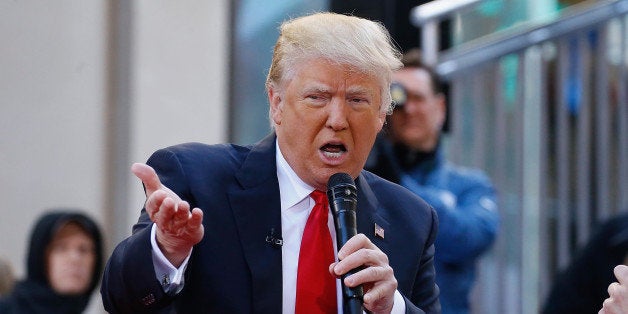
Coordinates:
column 359, row 90
column 351, row 90
column 317, row 88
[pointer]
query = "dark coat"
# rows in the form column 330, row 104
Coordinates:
column 233, row 269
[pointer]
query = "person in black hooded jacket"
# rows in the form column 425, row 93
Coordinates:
column 64, row 266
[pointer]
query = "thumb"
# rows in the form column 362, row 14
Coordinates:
column 148, row 176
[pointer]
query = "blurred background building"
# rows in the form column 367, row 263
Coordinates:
column 537, row 98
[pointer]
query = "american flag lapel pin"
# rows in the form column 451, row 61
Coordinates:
column 379, row 231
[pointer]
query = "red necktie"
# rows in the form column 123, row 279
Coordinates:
column 316, row 287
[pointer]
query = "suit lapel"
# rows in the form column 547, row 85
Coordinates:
column 257, row 209
column 367, row 214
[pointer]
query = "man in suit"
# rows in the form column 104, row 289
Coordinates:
column 224, row 226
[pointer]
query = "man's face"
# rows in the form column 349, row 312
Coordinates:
column 71, row 260
column 326, row 118
column 418, row 123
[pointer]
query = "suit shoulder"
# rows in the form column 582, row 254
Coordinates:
column 195, row 148
column 197, row 160
column 216, row 153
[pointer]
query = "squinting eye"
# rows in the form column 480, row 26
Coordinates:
column 316, row 99
column 359, row 100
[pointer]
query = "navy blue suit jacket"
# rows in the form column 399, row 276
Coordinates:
column 233, row 269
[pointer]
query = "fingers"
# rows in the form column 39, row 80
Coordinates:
column 355, row 243
column 613, row 289
column 375, row 265
column 621, row 273
column 178, row 230
column 180, row 217
column 380, row 297
column 377, row 271
column 617, row 302
column 171, row 216
column 196, row 219
column 376, row 276
column 609, row 307
column 148, row 176
column 156, row 193
column 359, row 251
column 160, row 207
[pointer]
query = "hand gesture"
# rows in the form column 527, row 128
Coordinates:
column 617, row 302
column 377, row 277
column 178, row 228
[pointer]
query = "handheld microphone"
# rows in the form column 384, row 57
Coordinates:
column 343, row 198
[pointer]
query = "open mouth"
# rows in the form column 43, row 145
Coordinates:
column 333, row 150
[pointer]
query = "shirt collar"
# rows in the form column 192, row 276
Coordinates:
column 292, row 189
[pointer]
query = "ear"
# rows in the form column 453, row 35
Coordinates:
column 276, row 105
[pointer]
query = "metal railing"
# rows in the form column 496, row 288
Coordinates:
column 428, row 16
column 544, row 110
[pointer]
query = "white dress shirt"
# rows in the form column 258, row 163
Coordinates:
column 296, row 205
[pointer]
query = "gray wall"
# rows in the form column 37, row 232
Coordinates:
column 87, row 88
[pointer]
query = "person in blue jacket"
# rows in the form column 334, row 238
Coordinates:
column 408, row 152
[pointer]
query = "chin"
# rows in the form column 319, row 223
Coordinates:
column 72, row 292
column 76, row 289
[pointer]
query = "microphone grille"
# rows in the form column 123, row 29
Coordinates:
column 339, row 178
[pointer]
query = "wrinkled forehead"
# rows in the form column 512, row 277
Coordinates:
column 303, row 65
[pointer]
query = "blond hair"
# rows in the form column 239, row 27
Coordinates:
column 346, row 40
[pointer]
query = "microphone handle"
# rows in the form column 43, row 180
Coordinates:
column 345, row 229
column 352, row 306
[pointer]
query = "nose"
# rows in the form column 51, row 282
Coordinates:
column 337, row 115
column 75, row 254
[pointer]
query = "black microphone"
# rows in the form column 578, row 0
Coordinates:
column 343, row 197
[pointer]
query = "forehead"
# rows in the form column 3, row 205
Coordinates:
column 413, row 78
column 327, row 75
column 70, row 229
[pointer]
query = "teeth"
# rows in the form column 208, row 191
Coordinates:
column 332, row 154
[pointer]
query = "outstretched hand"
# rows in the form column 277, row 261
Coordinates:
column 178, row 228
